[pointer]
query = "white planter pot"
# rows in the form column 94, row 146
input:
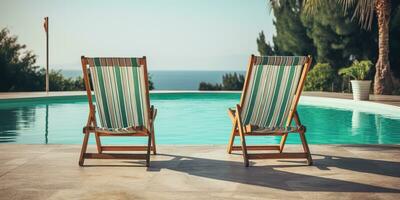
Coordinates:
column 360, row 89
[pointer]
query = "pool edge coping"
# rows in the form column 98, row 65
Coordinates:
column 394, row 100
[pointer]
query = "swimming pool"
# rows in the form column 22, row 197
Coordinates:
column 199, row 118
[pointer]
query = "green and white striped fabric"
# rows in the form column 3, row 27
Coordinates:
column 272, row 85
column 120, row 91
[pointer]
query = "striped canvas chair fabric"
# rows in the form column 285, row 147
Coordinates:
column 120, row 91
column 272, row 86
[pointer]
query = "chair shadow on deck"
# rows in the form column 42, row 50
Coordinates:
column 272, row 177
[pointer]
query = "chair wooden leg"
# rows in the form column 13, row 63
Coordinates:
column 238, row 120
column 305, row 147
column 243, row 143
column 244, row 148
column 98, row 143
column 232, row 138
column 283, row 141
column 148, row 151
column 153, row 142
column 84, row 148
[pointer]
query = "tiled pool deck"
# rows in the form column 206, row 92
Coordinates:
column 201, row 172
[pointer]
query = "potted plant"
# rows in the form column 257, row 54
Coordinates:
column 358, row 72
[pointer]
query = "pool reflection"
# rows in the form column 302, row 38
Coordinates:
column 180, row 122
column 13, row 119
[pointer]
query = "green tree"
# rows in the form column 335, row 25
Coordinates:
column 17, row 70
column 19, row 73
column 291, row 36
column 151, row 83
column 230, row 81
column 328, row 35
column 264, row 48
column 209, row 86
column 395, row 41
column 233, row 81
column 58, row 82
column 366, row 11
column 337, row 39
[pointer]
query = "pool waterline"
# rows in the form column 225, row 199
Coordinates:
column 199, row 118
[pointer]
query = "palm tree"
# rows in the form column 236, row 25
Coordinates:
column 364, row 10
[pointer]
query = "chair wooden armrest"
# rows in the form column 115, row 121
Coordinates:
column 232, row 113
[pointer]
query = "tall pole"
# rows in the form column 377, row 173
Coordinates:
column 46, row 28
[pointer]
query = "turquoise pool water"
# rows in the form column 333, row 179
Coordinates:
column 194, row 118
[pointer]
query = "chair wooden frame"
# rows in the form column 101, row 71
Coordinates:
column 238, row 128
column 91, row 126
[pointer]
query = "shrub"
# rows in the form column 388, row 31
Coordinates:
column 230, row 81
column 151, row 83
column 320, row 78
column 358, row 70
column 57, row 82
column 233, row 81
column 209, row 86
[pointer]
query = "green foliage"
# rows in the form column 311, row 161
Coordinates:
column 368, row 19
column 330, row 36
column 264, row 48
column 396, row 91
column 57, row 82
column 209, row 86
column 291, row 36
column 358, row 70
column 320, row 78
column 395, row 39
column 17, row 72
column 230, row 81
column 336, row 37
column 151, row 83
column 233, row 81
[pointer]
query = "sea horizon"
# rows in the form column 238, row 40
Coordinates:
column 175, row 79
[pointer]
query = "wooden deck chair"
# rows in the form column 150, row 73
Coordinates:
column 122, row 101
column 268, row 104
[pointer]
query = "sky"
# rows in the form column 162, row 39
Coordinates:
column 172, row 34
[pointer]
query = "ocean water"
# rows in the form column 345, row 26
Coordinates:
column 174, row 80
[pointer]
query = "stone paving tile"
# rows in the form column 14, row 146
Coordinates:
column 200, row 172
